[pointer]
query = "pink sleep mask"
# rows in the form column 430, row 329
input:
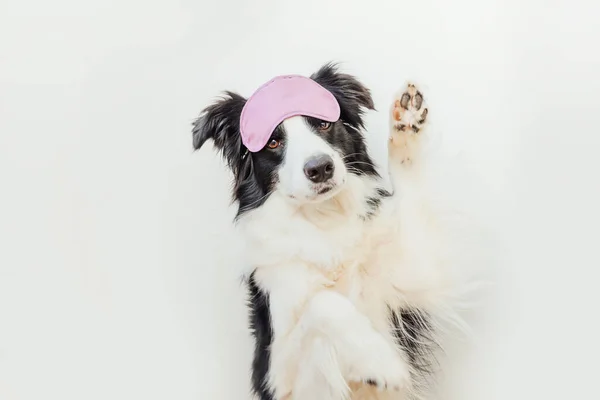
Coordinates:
column 280, row 98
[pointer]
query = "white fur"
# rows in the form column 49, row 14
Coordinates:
column 330, row 273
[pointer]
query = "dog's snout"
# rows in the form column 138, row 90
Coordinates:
column 319, row 168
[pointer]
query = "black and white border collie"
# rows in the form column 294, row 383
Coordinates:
column 351, row 279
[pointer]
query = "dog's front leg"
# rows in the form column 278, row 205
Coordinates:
column 321, row 341
column 340, row 345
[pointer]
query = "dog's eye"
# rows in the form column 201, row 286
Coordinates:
column 324, row 125
column 273, row 144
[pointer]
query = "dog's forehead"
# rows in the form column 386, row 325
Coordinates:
column 295, row 125
column 279, row 99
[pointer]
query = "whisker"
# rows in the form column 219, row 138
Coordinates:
column 360, row 162
column 350, row 155
column 356, row 171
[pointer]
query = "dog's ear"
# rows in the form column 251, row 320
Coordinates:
column 352, row 95
column 221, row 122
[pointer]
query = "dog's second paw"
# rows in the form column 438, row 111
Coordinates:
column 382, row 366
column 407, row 119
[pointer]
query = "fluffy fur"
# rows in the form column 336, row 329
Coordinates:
column 351, row 285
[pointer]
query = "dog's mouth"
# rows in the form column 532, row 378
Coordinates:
column 319, row 193
column 324, row 190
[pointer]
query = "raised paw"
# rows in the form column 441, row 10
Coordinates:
column 408, row 117
column 409, row 113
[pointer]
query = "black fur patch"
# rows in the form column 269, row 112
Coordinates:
column 375, row 201
column 413, row 331
column 253, row 172
column 352, row 95
column 261, row 329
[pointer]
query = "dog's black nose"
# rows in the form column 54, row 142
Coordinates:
column 319, row 168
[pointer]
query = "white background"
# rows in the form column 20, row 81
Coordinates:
column 115, row 275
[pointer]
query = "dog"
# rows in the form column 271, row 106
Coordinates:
column 352, row 282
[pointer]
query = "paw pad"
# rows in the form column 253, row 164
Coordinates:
column 408, row 113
